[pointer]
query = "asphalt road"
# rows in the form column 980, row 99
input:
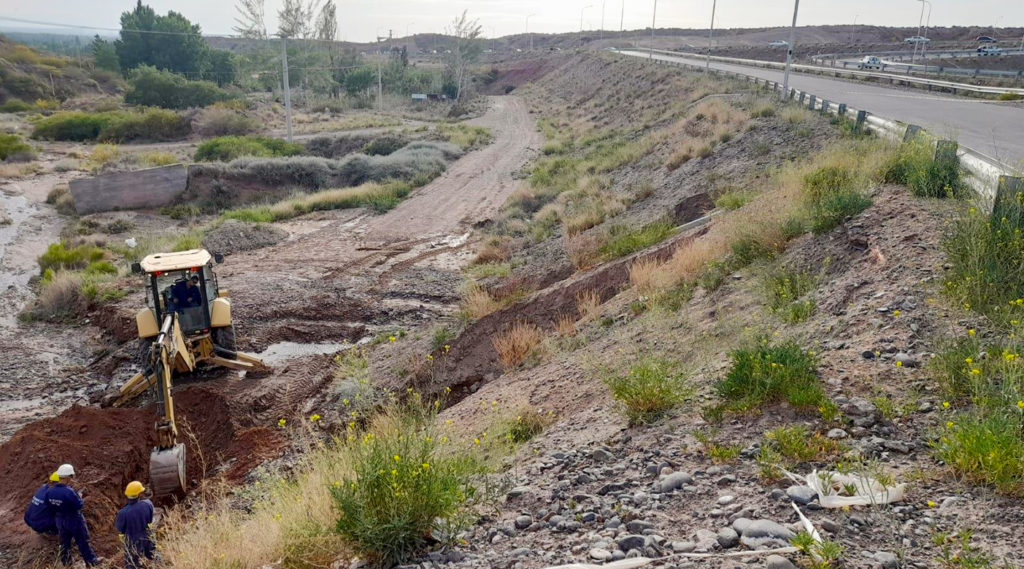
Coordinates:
column 994, row 129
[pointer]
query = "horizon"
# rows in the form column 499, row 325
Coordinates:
column 360, row 21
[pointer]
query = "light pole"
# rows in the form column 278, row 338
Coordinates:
column 920, row 22
column 581, row 23
column 493, row 37
column 711, row 33
column 927, row 24
column 528, row 30
column 600, row 33
column 654, row 14
column 789, row 52
column 854, row 31
column 622, row 16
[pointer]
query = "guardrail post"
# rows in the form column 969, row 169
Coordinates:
column 824, row 106
column 792, row 94
column 912, row 131
column 814, row 100
column 862, row 116
column 842, row 110
column 802, row 97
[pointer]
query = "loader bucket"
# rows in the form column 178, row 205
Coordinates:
column 167, row 470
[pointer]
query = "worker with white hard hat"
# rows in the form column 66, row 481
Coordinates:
column 67, row 505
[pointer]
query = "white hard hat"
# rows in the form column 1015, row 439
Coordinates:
column 65, row 470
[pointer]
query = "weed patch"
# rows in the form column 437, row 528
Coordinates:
column 797, row 444
column 227, row 148
column 649, row 390
column 914, row 165
column 14, row 149
column 516, row 343
column 624, row 241
column 784, row 292
column 764, row 374
column 113, row 126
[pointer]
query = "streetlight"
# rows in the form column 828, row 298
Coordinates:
column 711, row 32
column 528, row 30
column 581, row 23
column 927, row 24
column 600, row 33
column 920, row 22
column 789, row 52
column 654, row 14
column 622, row 16
column 854, row 31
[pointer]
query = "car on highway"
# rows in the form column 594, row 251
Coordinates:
column 989, row 50
column 916, row 39
column 987, row 39
column 779, row 43
column 870, row 62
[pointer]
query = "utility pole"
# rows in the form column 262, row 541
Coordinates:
column 622, row 16
column 600, row 33
column 711, row 33
column 380, row 87
column 287, row 89
column 927, row 24
column 920, row 22
column 654, row 14
column 581, row 23
column 528, row 30
column 789, row 51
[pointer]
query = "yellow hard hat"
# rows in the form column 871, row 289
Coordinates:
column 54, row 477
column 134, row 489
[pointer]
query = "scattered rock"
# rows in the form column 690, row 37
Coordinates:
column 683, row 546
column 802, row 495
column 629, row 542
column 764, row 528
column 518, row 491
column 906, row 360
column 778, row 562
column 707, row 541
column 726, row 500
column 887, row 560
column 672, row 482
column 727, row 537
column 602, row 455
column 523, row 522
column 837, row 434
column 598, row 554
column 233, row 236
column 638, row 526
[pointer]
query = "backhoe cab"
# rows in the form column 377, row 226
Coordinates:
column 187, row 321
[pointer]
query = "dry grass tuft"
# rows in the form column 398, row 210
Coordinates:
column 492, row 251
column 516, row 343
column 583, row 250
column 642, row 275
column 477, row 302
column 587, row 303
column 565, row 325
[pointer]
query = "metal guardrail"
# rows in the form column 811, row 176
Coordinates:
column 903, row 54
column 892, row 78
column 933, row 69
column 986, row 174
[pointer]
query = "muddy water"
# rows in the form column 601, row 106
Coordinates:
column 281, row 352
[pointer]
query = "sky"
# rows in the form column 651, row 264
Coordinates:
column 362, row 20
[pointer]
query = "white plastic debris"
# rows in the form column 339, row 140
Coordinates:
column 863, row 489
column 131, row 243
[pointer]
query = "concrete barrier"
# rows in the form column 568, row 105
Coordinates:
column 141, row 189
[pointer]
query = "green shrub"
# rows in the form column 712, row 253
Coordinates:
column 750, row 247
column 763, row 110
column 62, row 257
column 114, row 126
column 528, row 424
column 832, row 197
column 13, row 148
column 765, row 374
column 798, row 444
column 15, row 106
column 406, row 482
column 914, row 165
column 384, row 145
column 215, row 121
column 1010, row 97
column 64, row 296
column 181, row 211
column 227, row 148
column 379, row 197
column 463, row 135
column 148, row 86
column 624, row 241
column 191, row 240
column 734, row 199
column 984, row 253
column 649, row 390
column 986, row 448
column 784, row 291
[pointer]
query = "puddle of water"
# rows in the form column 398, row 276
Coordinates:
column 20, row 404
column 283, row 351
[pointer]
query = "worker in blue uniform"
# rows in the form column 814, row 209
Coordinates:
column 39, row 514
column 67, row 505
column 132, row 522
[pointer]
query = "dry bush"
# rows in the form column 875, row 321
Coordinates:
column 516, row 343
column 565, row 325
column 19, row 170
column 477, row 302
column 583, row 250
column 642, row 275
column 587, row 303
column 492, row 251
column 63, row 298
column 215, row 121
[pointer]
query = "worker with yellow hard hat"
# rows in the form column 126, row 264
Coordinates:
column 39, row 515
column 132, row 523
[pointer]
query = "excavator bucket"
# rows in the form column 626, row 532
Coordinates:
column 167, row 470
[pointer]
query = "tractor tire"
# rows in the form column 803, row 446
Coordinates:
column 225, row 337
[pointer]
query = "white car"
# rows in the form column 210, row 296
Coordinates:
column 916, row 39
column 779, row 43
column 870, row 62
column 989, row 50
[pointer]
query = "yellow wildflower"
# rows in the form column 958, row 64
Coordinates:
column 945, row 404
column 281, row 422
column 970, row 332
column 896, row 313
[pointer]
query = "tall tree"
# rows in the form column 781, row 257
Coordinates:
column 295, row 18
column 327, row 22
column 251, row 22
column 168, row 42
column 465, row 51
column 104, row 55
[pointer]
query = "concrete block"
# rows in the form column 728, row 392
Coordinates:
column 141, row 189
column 945, row 150
column 812, row 103
column 912, row 131
column 842, row 109
column 862, row 117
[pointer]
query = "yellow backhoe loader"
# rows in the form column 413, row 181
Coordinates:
column 195, row 327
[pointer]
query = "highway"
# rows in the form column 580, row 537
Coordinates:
column 994, row 129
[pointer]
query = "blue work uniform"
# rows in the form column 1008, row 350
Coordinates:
column 132, row 522
column 67, row 506
column 39, row 514
column 186, row 296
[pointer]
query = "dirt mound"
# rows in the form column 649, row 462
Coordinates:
column 233, row 236
column 108, row 448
